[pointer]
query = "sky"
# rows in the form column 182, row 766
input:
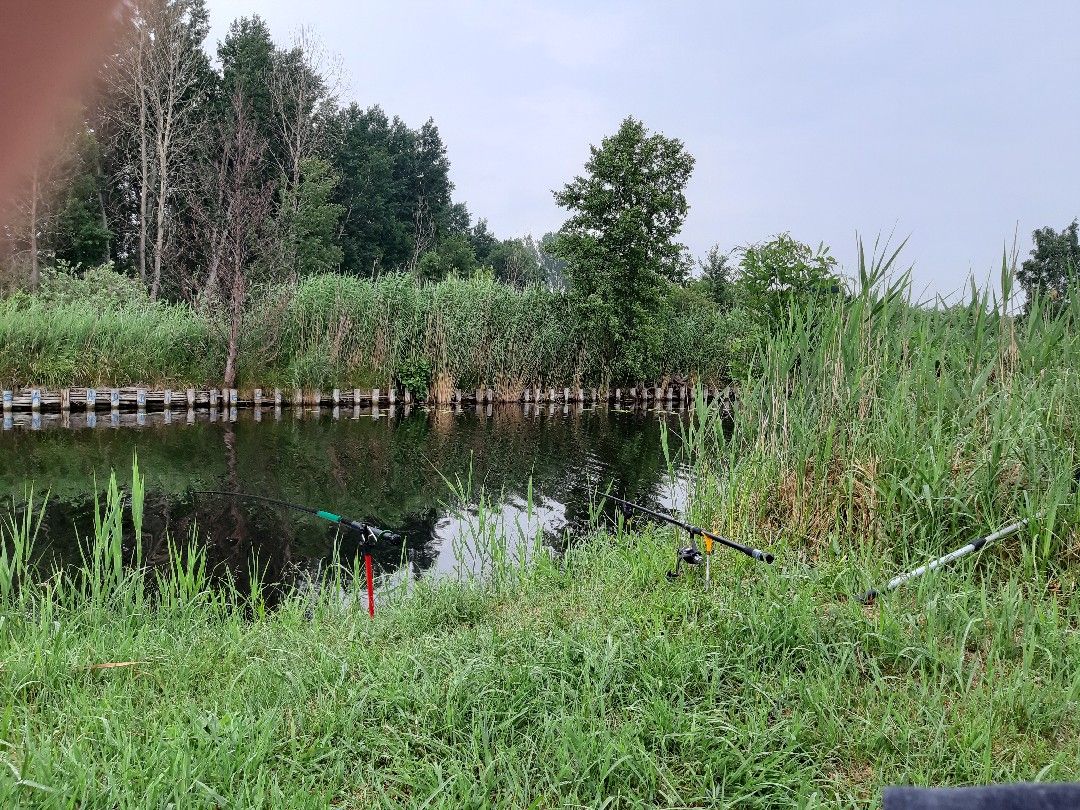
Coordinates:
column 954, row 125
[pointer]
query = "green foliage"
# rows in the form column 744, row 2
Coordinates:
column 80, row 236
column 414, row 374
column 1053, row 266
column 454, row 257
column 333, row 330
column 395, row 189
column 310, row 220
column 619, row 242
column 101, row 287
column 716, row 276
column 774, row 274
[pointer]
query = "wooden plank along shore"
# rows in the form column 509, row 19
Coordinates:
column 66, row 400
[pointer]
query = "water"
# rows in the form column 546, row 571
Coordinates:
column 538, row 469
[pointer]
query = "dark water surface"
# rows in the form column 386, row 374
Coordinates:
column 537, row 469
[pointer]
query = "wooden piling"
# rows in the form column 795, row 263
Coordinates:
column 8, row 401
column 91, row 400
column 257, row 396
column 114, row 400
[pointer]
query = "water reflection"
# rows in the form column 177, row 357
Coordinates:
column 538, row 468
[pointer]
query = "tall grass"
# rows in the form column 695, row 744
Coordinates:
column 333, row 330
column 585, row 681
column 897, row 429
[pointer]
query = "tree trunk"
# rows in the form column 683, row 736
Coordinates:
column 159, row 235
column 106, row 254
column 143, row 180
column 236, row 310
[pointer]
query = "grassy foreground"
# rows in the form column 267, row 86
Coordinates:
column 578, row 683
column 872, row 436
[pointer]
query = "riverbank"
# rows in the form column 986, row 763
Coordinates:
column 566, row 683
column 333, row 331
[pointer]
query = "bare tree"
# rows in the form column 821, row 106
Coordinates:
column 154, row 79
column 230, row 207
column 30, row 214
column 303, row 87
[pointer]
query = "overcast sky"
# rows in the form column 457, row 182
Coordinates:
column 954, row 123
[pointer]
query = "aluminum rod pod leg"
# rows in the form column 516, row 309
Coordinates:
column 952, row 556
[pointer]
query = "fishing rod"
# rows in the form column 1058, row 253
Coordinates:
column 691, row 555
column 963, row 551
column 365, row 530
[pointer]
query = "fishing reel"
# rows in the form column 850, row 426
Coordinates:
column 692, row 555
column 689, row 555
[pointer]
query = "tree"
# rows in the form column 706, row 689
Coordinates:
column 308, row 220
column 454, row 257
column 231, row 205
column 160, row 76
column 1054, row 263
column 395, row 190
column 619, row 242
column 772, row 274
column 716, row 272
column 81, row 233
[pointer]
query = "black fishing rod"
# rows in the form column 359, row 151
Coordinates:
column 365, row 530
column 963, row 551
column 691, row 554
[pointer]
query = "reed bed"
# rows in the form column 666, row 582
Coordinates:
column 877, row 425
column 341, row 331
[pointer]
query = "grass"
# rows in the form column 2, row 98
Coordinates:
column 578, row 683
column 872, row 435
column 337, row 331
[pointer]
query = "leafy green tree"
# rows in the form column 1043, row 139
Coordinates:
column 772, row 273
column 395, row 189
column 1054, row 262
column 454, row 257
column 619, row 242
column 483, row 241
column 716, row 276
column 248, row 58
column 309, row 220
column 81, row 234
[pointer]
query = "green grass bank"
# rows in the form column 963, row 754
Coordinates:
column 871, row 435
column 340, row 331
